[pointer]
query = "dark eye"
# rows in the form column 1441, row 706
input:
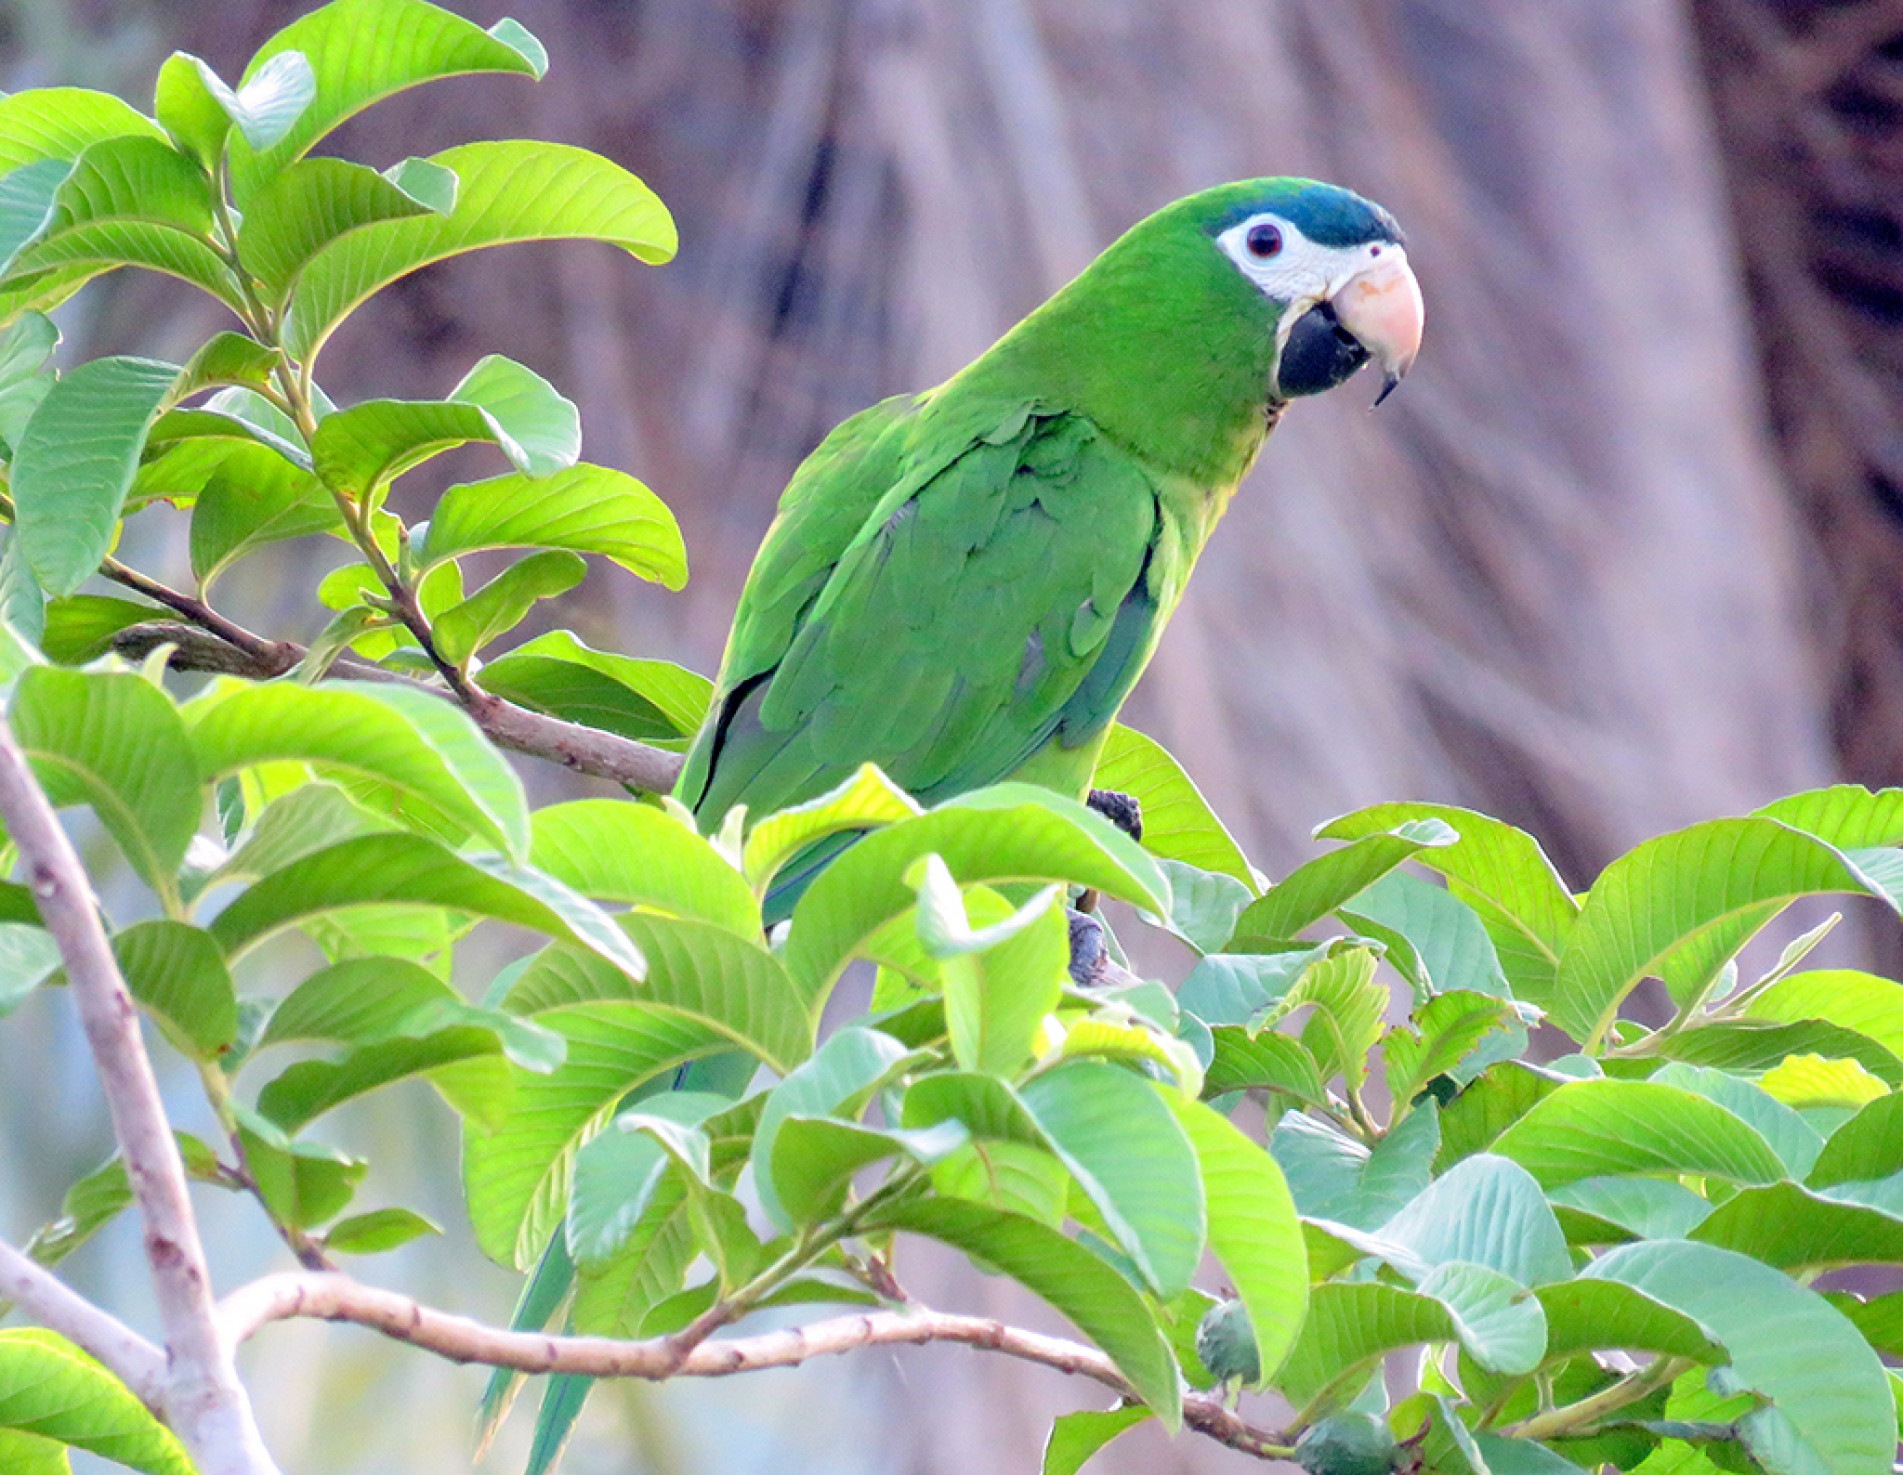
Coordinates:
column 1263, row 240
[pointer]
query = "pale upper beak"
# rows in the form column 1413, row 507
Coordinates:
column 1381, row 306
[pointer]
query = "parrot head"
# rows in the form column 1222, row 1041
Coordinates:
column 1332, row 268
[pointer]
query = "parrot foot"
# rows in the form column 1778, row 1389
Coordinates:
column 1091, row 965
column 1125, row 811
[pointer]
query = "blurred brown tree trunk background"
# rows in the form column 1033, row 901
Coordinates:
column 1625, row 552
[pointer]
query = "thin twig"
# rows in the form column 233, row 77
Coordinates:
column 269, row 657
column 59, row 1308
column 580, row 749
column 205, row 1403
column 460, row 1339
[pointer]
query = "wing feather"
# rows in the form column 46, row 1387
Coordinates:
column 989, row 599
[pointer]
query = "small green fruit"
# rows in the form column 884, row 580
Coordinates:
column 1225, row 1340
column 1348, row 1444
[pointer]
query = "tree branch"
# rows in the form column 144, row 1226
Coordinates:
column 460, row 1339
column 204, row 1402
column 586, row 750
column 59, row 1308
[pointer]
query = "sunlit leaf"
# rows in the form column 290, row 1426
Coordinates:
column 510, row 191
column 583, row 509
column 54, row 1391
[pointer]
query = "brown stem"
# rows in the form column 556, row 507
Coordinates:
column 269, row 657
column 580, row 749
column 338, row 1298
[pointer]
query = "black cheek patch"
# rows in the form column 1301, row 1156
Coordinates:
column 1319, row 354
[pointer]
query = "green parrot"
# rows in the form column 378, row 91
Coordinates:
column 963, row 585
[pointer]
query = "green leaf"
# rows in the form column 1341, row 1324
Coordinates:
column 418, row 744
column 1500, row 1323
column 80, row 629
column 816, row 1157
column 1253, row 1228
column 26, row 204
column 719, row 980
column 866, row 801
column 63, row 122
column 377, row 1231
column 98, row 1198
column 1500, row 872
column 1134, row 1160
column 1796, row 1142
column 1880, row 1319
column 583, row 508
column 1076, row 1437
column 1008, row 1176
column 295, row 824
column 1452, row 951
column 1103, row 1305
column 1479, row 1114
column 1829, row 1408
column 1869, row 1145
column 618, row 1173
column 75, row 463
column 302, row 1183
column 28, row 957
column 361, row 51
column 26, row 373
column 838, row 1076
column 1266, row 1061
column 178, row 973
column 112, row 740
column 1592, row 1127
column 54, row 1391
column 315, row 201
column 1337, row 1177
column 1001, row 980
column 510, row 191
column 544, row 424
column 354, row 1001
column 504, row 602
column 1488, row 1211
column 1452, row 1027
column 1848, row 816
column 633, row 855
column 1348, row 1005
column 428, row 1037
column 516, row 1178
column 1753, row 1046
column 1669, row 890
column 1812, row 1081
column 1348, row 1329
column 1241, row 988
column 129, row 202
column 1594, row 1315
column 251, row 498
column 381, row 869
column 1008, row 832
column 1797, row 1230
column 231, row 360
column 1649, row 1208
column 1178, row 823
column 1853, row 1000
column 1312, row 890
column 1204, row 905
column 198, row 108
column 649, row 701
